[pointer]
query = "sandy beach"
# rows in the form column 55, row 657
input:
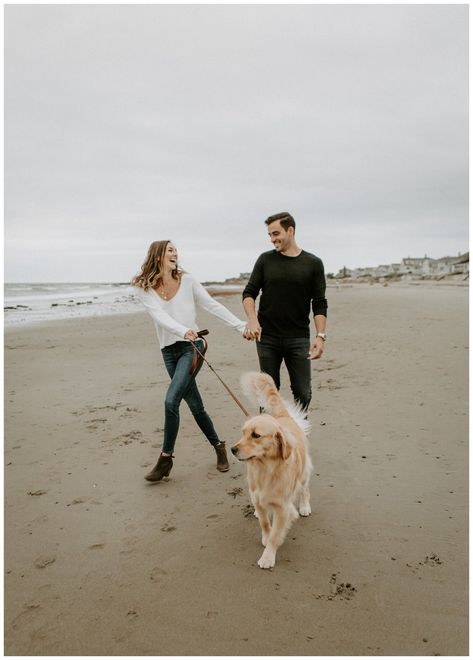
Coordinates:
column 99, row 562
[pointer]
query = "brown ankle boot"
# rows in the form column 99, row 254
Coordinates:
column 222, row 461
column 161, row 469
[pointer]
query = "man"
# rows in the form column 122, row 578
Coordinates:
column 291, row 280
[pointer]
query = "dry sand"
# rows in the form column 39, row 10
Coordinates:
column 99, row 562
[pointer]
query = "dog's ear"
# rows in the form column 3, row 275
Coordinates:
column 284, row 446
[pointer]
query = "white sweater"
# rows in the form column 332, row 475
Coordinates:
column 173, row 318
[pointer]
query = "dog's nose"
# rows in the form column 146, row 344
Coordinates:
column 234, row 450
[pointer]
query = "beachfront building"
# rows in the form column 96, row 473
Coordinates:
column 381, row 271
column 394, row 269
column 462, row 265
column 362, row 272
column 416, row 265
column 449, row 265
column 345, row 272
column 419, row 266
column 441, row 266
column 241, row 279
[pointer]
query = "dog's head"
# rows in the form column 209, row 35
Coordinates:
column 262, row 438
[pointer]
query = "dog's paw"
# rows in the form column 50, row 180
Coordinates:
column 267, row 560
column 255, row 514
column 305, row 510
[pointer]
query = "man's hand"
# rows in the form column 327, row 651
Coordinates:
column 317, row 349
column 252, row 330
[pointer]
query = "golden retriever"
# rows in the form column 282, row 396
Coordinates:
column 274, row 447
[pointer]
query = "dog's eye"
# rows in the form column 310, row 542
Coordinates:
column 255, row 435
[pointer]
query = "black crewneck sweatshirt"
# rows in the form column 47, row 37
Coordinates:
column 289, row 285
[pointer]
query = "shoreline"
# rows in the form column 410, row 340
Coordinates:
column 128, row 305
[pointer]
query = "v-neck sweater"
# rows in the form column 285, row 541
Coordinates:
column 175, row 317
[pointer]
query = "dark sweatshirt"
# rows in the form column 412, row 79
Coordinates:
column 289, row 285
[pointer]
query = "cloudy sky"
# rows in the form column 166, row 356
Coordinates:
column 126, row 124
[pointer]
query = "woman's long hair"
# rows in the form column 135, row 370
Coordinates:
column 151, row 273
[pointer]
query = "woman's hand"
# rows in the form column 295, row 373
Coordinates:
column 191, row 335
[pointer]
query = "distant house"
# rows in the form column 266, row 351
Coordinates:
column 363, row 272
column 411, row 265
column 394, row 269
column 241, row 279
column 344, row 272
column 462, row 264
column 416, row 265
column 449, row 265
column 440, row 266
column 381, row 271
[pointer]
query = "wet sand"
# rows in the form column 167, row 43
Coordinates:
column 99, row 562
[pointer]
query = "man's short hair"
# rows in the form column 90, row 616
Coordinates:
column 286, row 220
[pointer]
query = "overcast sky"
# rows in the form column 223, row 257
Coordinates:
column 126, row 124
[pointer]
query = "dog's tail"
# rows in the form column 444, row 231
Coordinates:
column 261, row 386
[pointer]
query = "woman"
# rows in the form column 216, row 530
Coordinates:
column 170, row 296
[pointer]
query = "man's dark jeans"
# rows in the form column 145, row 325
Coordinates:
column 178, row 361
column 295, row 352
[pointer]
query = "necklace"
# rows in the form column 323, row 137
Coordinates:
column 162, row 292
column 166, row 294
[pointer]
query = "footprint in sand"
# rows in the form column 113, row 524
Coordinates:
column 28, row 609
column 235, row 491
column 168, row 528
column 129, row 412
column 127, row 438
column 429, row 560
column 93, row 424
column 157, row 573
column 37, row 493
column 96, row 546
column 248, row 510
column 40, row 520
column 78, row 500
column 432, row 560
column 332, row 384
column 338, row 590
column 42, row 562
column 213, row 517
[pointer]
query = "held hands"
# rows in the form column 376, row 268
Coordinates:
column 317, row 349
column 252, row 331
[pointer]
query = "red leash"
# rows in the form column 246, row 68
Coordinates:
column 195, row 362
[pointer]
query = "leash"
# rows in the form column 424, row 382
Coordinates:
column 202, row 355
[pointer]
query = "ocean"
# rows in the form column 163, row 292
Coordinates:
column 28, row 304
